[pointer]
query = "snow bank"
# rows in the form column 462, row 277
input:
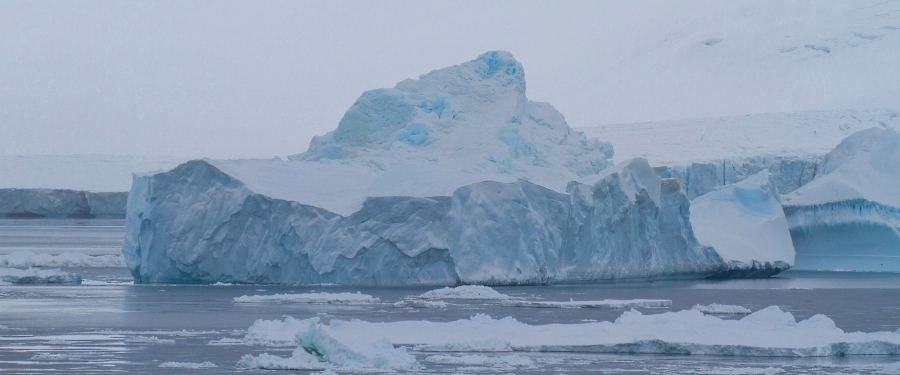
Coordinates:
column 343, row 298
column 604, row 304
column 21, row 259
column 188, row 365
column 28, row 203
column 848, row 217
column 37, row 276
column 464, row 292
column 359, row 344
column 716, row 308
column 746, row 225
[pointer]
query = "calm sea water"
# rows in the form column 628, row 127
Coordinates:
column 134, row 328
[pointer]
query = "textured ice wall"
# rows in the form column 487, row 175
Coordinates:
column 196, row 224
column 848, row 217
column 60, row 203
column 789, row 173
column 746, row 225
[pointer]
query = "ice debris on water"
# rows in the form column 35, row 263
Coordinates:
column 323, row 297
column 604, row 304
column 465, row 292
column 188, row 365
column 715, row 308
column 15, row 276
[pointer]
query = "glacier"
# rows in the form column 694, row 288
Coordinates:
column 848, row 217
column 746, row 225
column 453, row 178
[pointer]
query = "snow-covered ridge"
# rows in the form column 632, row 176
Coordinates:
column 359, row 344
column 61, row 203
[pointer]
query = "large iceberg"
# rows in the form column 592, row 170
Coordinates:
column 19, row 203
column 746, row 225
column 848, row 217
column 454, row 178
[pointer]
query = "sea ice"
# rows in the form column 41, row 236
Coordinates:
column 716, row 308
column 604, row 304
column 188, row 365
column 37, row 276
column 343, row 298
column 767, row 332
column 464, row 292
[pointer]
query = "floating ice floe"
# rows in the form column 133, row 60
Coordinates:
column 104, row 283
column 15, row 276
column 188, row 365
column 148, row 340
column 421, row 304
column 465, row 292
column 344, row 298
column 359, row 344
column 604, row 304
column 715, row 308
column 3, row 327
column 505, row 361
column 23, row 259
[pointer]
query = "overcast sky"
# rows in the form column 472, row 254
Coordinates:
column 258, row 79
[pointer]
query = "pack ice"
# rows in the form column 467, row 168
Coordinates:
column 848, row 217
column 453, row 178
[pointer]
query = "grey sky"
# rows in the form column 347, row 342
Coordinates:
column 257, row 79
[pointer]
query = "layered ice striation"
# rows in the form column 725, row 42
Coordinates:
column 746, row 225
column 848, row 217
column 28, row 203
column 454, row 178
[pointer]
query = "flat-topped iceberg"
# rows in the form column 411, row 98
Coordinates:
column 454, row 178
column 848, row 217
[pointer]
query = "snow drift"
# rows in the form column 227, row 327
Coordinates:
column 454, row 178
column 848, row 217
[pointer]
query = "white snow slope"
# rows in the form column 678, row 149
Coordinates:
column 848, row 217
column 455, row 178
column 745, row 223
column 357, row 345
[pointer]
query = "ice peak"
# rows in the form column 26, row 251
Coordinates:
column 473, row 117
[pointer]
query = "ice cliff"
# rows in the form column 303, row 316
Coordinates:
column 454, row 178
column 23, row 203
column 848, row 217
column 746, row 225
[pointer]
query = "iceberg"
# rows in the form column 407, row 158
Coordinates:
column 746, row 225
column 28, row 203
column 848, row 217
column 454, row 178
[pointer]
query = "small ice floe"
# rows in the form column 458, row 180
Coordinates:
column 3, row 327
column 188, row 365
column 105, row 283
column 741, row 371
column 225, row 341
column 604, row 304
column 219, row 283
column 465, row 292
column 148, row 340
column 343, row 298
column 35, row 276
column 23, row 259
column 716, row 308
column 421, row 304
column 506, row 361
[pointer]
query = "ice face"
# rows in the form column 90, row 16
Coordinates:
column 200, row 225
column 60, row 203
column 746, row 225
column 848, row 217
